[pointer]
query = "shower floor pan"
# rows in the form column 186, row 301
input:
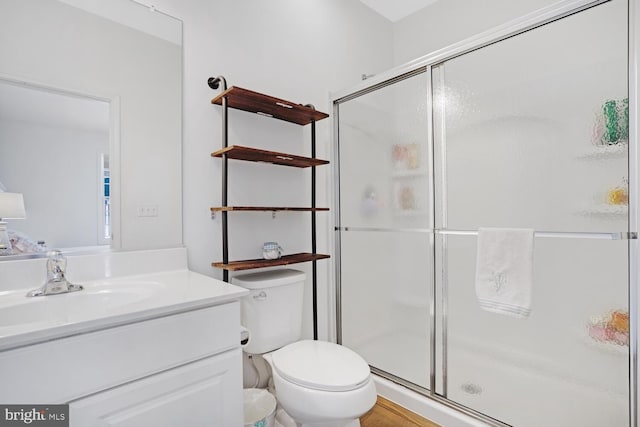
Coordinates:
column 498, row 385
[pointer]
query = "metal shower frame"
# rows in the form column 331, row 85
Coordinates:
column 424, row 65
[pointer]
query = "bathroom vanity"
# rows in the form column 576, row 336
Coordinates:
column 136, row 347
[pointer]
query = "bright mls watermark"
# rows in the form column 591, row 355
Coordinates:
column 34, row 415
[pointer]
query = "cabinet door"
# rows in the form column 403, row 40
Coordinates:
column 204, row 393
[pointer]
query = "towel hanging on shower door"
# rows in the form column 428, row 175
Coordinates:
column 504, row 270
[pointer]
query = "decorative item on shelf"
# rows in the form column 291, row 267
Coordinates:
column 619, row 195
column 611, row 126
column 370, row 203
column 611, row 204
column 612, row 328
column 406, row 156
column 404, row 197
column 11, row 207
column 22, row 243
column 271, row 250
column 413, row 156
column 399, row 156
column 407, row 198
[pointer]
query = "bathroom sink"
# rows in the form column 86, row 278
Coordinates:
column 95, row 300
column 104, row 303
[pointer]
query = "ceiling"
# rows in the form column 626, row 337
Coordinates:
column 398, row 9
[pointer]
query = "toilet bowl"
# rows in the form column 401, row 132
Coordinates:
column 317, row 383
column 321, row 384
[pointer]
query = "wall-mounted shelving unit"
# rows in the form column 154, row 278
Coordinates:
column 268, row 106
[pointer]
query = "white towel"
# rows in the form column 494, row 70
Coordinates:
column 504, row 270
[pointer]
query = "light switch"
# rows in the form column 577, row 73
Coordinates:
column 147, row 211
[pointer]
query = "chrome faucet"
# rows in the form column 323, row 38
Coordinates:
column 56, row 282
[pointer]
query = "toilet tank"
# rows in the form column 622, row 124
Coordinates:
column 273, row 309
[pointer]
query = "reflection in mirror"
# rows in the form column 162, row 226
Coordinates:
column 99, row 86
column 54, row 150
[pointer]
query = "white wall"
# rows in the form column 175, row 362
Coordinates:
column 61, row 209
column 448, row 21
column 296, row 50
column 56, row 45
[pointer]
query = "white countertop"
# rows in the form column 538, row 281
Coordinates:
column 105, row 303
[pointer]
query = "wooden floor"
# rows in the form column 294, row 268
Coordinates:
column 388, row 414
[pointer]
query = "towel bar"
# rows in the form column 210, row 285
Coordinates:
column 622, row 235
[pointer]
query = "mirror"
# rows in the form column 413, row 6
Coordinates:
column 90, row 123
column 54, row 150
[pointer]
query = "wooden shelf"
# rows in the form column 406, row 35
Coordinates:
column 265, row 209
column 260, row 263
column 238, row 152
column 265, row 105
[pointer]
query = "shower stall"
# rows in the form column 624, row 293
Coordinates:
column 528, row 127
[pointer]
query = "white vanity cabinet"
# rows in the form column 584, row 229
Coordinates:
column 197, row 394
column 170, row 369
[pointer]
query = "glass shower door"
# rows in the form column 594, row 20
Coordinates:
column 385, row 223
column 532, row 132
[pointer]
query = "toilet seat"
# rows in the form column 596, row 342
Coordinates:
column 321, row 365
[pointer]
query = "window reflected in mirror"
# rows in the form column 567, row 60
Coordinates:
column 105, row 211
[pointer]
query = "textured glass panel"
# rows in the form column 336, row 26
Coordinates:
column 386, row 282
column 383, row 157
column 532, row 131
column 566, row 364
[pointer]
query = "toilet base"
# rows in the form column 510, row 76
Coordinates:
column 284, row 420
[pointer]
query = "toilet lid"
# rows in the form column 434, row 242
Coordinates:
column 321, row 365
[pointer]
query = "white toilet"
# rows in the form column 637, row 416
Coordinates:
column 317, row 383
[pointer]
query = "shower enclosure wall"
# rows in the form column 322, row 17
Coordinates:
column 525, row 127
